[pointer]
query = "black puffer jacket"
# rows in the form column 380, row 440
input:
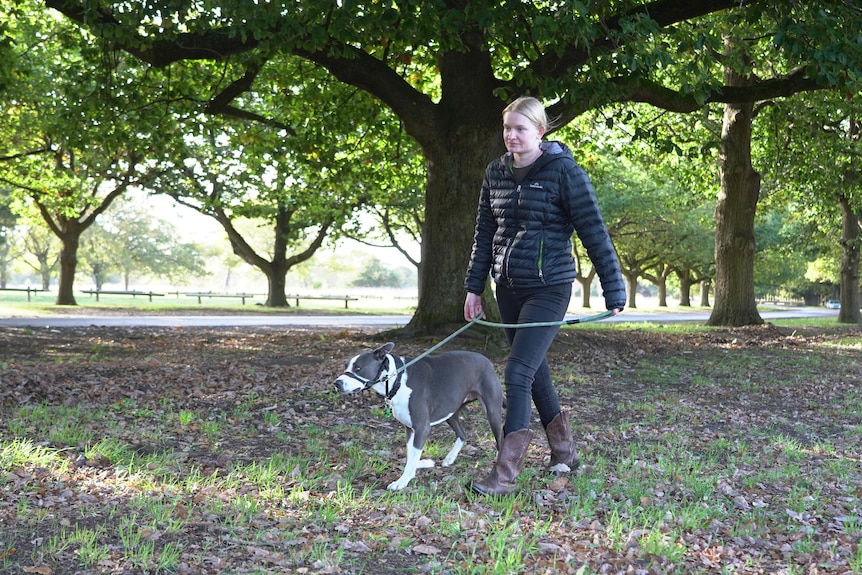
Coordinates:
column 523, row 232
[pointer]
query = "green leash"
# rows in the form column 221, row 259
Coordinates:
column 584, row 319
column 478, row 320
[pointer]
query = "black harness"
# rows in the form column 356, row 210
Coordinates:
column 398, row 364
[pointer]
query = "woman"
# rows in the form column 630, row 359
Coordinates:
column 532, row 199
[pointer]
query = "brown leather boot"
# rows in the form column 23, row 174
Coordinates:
column 510, row 460
column 564, row 457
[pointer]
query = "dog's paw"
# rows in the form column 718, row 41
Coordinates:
column 399, row 484
column 425, row 463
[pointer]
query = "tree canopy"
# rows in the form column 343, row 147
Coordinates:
column 446, row 69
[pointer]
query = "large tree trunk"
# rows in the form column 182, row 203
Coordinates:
column 734, row 218
column 451, row 200
column 276, row 281
column 464, row 135
column 850, row 256
column 68, row 265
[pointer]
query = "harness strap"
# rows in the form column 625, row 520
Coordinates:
column 397, row 376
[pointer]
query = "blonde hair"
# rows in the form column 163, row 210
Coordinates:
column 532, row 109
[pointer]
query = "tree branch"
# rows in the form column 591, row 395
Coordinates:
column 640, row 90
column 221, row 104
column 214, row 44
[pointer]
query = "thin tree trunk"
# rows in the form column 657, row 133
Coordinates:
column 586, row 287
column 850, row 256
column 685, row 284
column 632, row 282
column 704, row 293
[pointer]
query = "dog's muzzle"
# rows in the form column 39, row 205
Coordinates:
column 349, row 382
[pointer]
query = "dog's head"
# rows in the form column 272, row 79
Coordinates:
column 364, row 370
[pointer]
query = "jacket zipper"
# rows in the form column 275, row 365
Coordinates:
column 505, row 270
column 541, row 258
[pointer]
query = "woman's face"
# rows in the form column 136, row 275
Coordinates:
column 520, row 135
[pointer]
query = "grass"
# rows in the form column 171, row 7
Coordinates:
column 736, row 459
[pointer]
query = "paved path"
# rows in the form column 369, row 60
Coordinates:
column 345, row 321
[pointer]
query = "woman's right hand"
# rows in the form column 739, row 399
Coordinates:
column 472, row 306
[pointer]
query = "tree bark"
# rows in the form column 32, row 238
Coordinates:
column 685, row 284
column 68, row 266
column 734, row 217
column 586, row 287
column 632, row 282
column 850, row 256
column 451, row 201
column 704, row 293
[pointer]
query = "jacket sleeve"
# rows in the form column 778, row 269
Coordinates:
column 591, row 230
column 481, row 256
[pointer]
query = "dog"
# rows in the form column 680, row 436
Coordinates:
column 429, row 391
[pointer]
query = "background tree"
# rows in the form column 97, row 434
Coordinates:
column 448, row 69
column 693, row 256
column 131, row 243
column 79, row 133
column 373, row 273
column 814, row 156
column 231, row 172
column 43, row 250
column 8, row 219
column 779, row 258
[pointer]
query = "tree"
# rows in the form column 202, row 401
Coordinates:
column 814, row 154
column 233, row 172
column 781, row 253
column 692, row 257
column 8, row 219
column 77, row 135
column 447, row 70
column 374, row 274
column 45, row 249
column 133, row 243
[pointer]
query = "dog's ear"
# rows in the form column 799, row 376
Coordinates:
column 381, row 351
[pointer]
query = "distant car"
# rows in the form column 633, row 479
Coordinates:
column 833, row 304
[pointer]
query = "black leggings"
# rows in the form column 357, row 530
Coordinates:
column 527, row 372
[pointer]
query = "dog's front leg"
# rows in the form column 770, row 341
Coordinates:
column 413, row 463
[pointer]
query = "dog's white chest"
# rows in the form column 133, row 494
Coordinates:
column 400, row 404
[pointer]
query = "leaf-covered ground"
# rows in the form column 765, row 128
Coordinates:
column 209, row 451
